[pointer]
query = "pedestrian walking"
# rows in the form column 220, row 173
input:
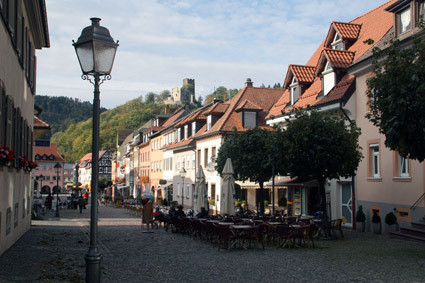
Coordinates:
column 49, row 201
column 81, row 203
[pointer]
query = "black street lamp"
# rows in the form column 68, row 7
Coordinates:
column 182, row 174
column 41, row 178
column 58, row 168
column 77, row 167
column 95, row 50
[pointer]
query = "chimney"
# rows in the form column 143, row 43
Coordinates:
column 248, row 82
column 167, row 110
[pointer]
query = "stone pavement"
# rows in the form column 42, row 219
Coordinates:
column 53, row 250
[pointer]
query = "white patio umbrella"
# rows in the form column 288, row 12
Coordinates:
column 200, row 198
column 228, row 189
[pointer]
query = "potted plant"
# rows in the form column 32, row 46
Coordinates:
column 391, row 221
column 360, row 219
column 376, row 222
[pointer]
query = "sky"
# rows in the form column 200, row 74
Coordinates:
column 215, row 42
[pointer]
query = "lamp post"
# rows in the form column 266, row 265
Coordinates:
column 182, row 174
column 58, row 168
column 41, row 178
column 95, row 50
column 77, row 168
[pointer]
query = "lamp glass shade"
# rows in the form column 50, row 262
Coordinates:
column 182, row 172
column 58, row 168
column 95, row 49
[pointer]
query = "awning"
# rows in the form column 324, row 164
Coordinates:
column 163, row 187
column 288, row 182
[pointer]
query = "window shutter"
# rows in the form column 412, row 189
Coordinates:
column 12, row 20
column 2, row 113
column 9, row 123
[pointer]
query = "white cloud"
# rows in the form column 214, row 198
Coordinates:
column 217, row 43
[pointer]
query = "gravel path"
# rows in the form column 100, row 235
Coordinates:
column 53, row 251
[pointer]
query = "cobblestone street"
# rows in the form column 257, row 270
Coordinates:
column 53, row 251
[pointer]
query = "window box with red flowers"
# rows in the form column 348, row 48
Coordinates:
column 26, row 164
column 7, row 155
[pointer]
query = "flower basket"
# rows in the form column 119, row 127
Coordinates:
column 6, row 155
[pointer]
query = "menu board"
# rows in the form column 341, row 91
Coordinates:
column 297, row 201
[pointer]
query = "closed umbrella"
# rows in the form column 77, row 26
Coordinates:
column 200, row 195
column 228, row 189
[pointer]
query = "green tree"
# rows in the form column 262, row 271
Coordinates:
column 164, row 95
column 321, row 146
column 397, row 97
column 253, row 154
column 151, row 98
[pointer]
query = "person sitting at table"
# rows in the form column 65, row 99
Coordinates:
column 203, row 213
column 240, row 211
column 180, row 211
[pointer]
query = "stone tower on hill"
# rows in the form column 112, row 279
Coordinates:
column 183, row 95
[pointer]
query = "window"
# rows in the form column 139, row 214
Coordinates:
column 178, row 189
column 328, row 79
column 403, row 166
column 374, row 151
column 193, row 128
column 187, row 190
column 404, row 21
column 295, row 91
column 209, row 122
column 249, row 119
column 178, row 134
column 186, row 131
column 205, row 157
column 193, row 161
column 187, row 162
column 337, row 44
column 213, row 154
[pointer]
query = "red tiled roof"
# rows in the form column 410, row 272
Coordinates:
column 371, row 25
column 279, row 105
column 217, row 108
column 303, row 74
column 173, row 118
column 248, row 105
column 339, row 59
column 48, row 150
column 263, row 98
column 38, row 123
column 347, row 31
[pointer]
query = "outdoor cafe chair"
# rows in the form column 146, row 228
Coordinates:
column 336, row 225
column 252, row 234
column 309, row 231
column 285, row 233
column 270, row 233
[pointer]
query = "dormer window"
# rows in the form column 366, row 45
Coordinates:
column 249, row 119
column 44, row 157
column 404, row 21
column 193, row 128
column 186, row 131
column 209, row 122
column 295, row 91
column 328, row 78
column 179, row 134
column 37, row 157
column 337, row 43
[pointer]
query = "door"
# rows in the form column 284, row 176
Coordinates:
column 346, row 208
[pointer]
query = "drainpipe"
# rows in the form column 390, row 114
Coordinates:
column 353, row 191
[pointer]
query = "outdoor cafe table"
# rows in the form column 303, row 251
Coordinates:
column 274, row 223
column 238, row 232
column 214, row 221
column 226, row 223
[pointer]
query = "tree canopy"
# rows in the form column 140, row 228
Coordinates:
column 321, row 146
column 397, row 97
column 253, row 153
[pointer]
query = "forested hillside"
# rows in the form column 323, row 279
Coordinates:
column 76, row 140
column 60, row 112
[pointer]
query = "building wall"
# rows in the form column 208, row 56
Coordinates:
column 144, row 164
column 388, row 192
column 156, row 161
column 186, row 158
column 211, row 175
column 15, row 183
